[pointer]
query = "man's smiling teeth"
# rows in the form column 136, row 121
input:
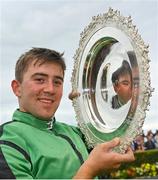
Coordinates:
column 46, row 100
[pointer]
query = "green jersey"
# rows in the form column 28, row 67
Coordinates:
column 31, row 148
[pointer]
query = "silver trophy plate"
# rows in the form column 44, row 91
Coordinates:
column 111, row 74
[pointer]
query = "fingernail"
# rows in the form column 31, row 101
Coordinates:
column 117, row 140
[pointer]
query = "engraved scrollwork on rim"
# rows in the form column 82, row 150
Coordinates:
column 107, row 46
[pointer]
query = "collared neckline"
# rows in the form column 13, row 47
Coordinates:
column 32, row 120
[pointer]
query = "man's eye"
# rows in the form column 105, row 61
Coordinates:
column 125, row 83
column 39, row 80
column 57, row 82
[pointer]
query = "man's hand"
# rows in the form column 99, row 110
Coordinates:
column 102, row 159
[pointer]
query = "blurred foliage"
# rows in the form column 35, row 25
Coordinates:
column 146, row 170
column 145, row 166
column 148, row 156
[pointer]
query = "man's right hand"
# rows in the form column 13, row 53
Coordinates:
column 102, row 158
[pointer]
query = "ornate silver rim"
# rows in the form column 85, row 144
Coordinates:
column 115, row 19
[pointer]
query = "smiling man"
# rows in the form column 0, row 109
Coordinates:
column 42, row 85
column 34, row 145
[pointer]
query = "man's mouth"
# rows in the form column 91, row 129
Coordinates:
column 46, row 100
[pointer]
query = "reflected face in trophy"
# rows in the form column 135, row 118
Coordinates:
column 123, row 88
column 122, row 84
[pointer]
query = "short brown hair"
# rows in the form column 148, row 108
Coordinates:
column 41, row 55
column 121, row 71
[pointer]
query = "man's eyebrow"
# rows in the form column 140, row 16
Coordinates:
column 46, row 75
column 125, row 81
column 39, row 74
column 59, row 77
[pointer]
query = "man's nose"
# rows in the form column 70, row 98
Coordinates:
column 49, row 87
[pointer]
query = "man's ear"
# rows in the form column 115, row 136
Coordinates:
column 115, row 88
column 16, row 87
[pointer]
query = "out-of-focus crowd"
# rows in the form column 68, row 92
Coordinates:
column 146, row 141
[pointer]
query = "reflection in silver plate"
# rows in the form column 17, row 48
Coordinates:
column 110, row 67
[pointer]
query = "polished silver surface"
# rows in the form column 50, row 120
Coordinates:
column 111, row 74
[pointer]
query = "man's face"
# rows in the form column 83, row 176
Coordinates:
column 41, row 89
column 124, row 88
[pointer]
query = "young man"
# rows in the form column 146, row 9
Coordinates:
column 122, row 83
column 34, row 145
